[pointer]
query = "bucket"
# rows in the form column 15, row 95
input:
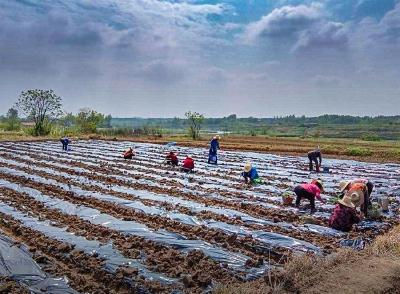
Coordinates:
column 287, row 199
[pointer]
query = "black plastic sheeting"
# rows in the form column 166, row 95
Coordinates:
column 17, row 264
column 356, row 244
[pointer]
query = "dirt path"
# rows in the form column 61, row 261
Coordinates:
column 369, row 275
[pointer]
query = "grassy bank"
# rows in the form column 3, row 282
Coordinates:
column 376, row 269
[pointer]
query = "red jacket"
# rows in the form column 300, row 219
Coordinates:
column 313, row 189
column 188, row 163
column 172, row 157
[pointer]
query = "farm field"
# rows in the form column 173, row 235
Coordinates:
column 95, row 222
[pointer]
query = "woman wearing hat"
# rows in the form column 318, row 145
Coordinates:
column 250, row 174
column 214, row 147
column 364, row 186
column 345, row 215
column 309, row 191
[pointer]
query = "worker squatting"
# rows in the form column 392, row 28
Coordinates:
column 351, row 208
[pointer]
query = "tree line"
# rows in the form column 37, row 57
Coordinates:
column 43, row 108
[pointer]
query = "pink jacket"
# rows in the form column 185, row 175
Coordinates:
column 313, row 189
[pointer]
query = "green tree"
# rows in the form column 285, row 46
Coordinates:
column 195, row 121
column 68, row 120
column 13, row 123
column 88, row 120
column 41, row 106
column 107, row 121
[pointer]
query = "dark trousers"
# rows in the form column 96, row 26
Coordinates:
column 64, row 143
column 212, row 154
column 315, row 159
column 130, row 156
column 172, row 162
column 303, row 193
column 187, row 170
column 367, row 198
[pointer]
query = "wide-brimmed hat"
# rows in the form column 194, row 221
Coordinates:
column 217, row 137
column 247, row 167
column 189, row 156
column 357, row 197
column 343, row 185
column 319, row 183
column 346, row 201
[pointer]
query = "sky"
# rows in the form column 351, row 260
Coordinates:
column 153, row 58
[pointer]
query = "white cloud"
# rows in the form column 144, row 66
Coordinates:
column 283, row 22
column 325, row 35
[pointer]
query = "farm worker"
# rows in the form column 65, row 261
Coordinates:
column 65, row 141
column 128, row 154
column 172, row 159
column 250, row 174
column 344, row 215
column 214, row 147
column 188, row 164
column 364, row 186
column 309, row 191
column 316, row 157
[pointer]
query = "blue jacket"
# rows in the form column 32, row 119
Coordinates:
column 214, row 146
column 64, row 141
column 252, row 174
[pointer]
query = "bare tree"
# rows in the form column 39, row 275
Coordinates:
column 195, row 120
column 42, row 106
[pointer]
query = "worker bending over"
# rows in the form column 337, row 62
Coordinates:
column 362, row 186
column 309, row 191
column 128, row 154
column 65, row 141
column 316, row 157
column 188, row 165
column 345, row 215
column 214, row 147
column 250, row 174
column 172, row 159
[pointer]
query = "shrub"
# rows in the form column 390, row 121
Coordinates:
column 371, row 137
column 358, row 151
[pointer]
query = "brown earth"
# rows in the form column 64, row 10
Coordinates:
column 366, row 275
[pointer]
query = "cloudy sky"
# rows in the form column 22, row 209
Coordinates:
column 156, row 58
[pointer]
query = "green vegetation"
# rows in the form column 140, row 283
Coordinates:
column 12, row 121
column 326, row 126
column 42, row 107
column 358, row 151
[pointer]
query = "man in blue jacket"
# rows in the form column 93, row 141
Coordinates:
column 214, row 147
column 65, row 141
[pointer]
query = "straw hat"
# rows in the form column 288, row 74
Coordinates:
column 217, row 137
column 343, row 185
column 346, row 201
column 247, row 167
column 319, row 183
column 357, row 197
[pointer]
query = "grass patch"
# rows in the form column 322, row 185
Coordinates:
column 358, row 151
